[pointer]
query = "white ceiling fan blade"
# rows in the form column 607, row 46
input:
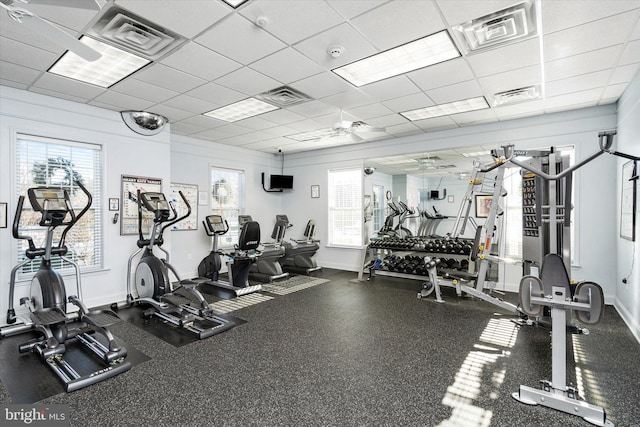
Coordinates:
column 59, row 36
column 78, row 4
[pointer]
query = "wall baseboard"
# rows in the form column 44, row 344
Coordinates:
column 633, row 324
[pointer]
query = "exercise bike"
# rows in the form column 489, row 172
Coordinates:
column 267, row 267
column 152, row 284
column 299, row 256
column 240, row 260
column 47, row 303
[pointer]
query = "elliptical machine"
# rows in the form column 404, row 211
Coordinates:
column 152, row 284
column 240, row 261
column 48, row 301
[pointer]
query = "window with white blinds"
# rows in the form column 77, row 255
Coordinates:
column 227, row 191
column 58, row 163
column 345, row 207
column 512, row 183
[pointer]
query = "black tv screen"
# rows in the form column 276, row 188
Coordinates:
column 284, row 182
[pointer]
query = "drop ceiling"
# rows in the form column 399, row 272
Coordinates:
column 584, row 54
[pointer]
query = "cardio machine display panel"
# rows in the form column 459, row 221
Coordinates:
column 215, row 223
column 51, row 199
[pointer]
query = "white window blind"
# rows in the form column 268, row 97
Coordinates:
column 512, row 183
column 227, row 191
column 345, row 207
column 378, row 211
column 57, row 163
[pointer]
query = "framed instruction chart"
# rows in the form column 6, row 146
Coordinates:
column 129, row 205
column 191, row 193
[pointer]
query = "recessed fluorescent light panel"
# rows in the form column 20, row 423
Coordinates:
column 472, row 104
column 241, row 110
column 504, row 26
column 114, row 65
column 311, row 135
column 421, row 53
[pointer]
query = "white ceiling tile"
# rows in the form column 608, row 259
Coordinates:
column 25, row 55
column 510, row 57
column 577, row 84
column 168, row 78
column 624, row 74
column 388, row 120
column 248, row 43
column 404, row 129
column 17, row 73
column 614, row 91
column 580, row 64
column 287, row 66
column 436, row 123
column 223, row 132
column 244, row 139
column 199, row 61
column 350, row 99
column 509, row 80
column 186, row 17
column 217, row 94
column 608, row 101
column 258, row 123
column 204, row 122
column 559, row 15
column 475, row 117
column 73, row 18
column 305, row 125
column 190, row 103
column 355, row 46
column 173, row 114
column 568, row 107
column 144, row 90
column 322, row 85
column 58, row 95
column 443, row 74
column 455, row 92
column 586, row 37
column 9, row 83
column 122, row 101
column 393, row 87
column 248, row 81
column 409, row 102
column 522, row 108
column 292, row 21
column 636, row 33
column 366, row 112
column 349, row 9
column 280, row 131
column 631, row 54
column 183, row 128
column 273, row 144
column 416, row 18
column 591, row 96
column 71, row 87
column 312, row 109
column 457, row 12
column 282, row 116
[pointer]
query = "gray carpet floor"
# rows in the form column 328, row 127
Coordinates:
column 346, row 353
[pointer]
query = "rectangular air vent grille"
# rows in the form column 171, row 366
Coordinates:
column 516, row 95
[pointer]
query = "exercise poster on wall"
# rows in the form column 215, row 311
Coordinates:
column 628, row 203
column 191, row 193
column 129, row 205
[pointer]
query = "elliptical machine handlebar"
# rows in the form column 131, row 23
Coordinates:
column 16, row 225
column 76, row 218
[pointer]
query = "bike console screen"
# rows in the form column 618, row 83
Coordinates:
column 215, row 223
column 154, row 201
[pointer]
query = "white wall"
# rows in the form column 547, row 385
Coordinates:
column 124, row 153
column 191, row 162
column 628, row 253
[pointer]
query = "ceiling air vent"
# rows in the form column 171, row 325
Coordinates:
column 283, row 96
column 499, row 28
column 124, row 29
column 516, row 95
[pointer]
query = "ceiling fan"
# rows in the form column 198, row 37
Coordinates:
column 350, row 129
column 49, row 30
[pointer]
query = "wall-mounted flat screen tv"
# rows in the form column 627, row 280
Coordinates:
column 284, row 182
